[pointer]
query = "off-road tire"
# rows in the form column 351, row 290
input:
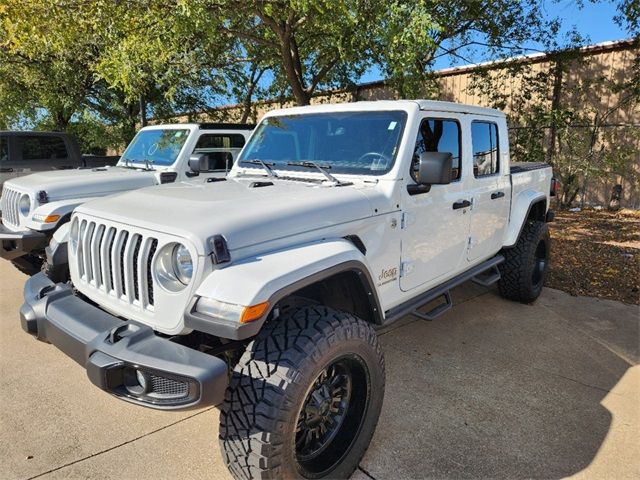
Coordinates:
column 519, row 280
column 273, row 380
column 28, row 264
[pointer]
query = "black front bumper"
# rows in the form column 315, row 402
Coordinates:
column 113, row 351
column 16, row 244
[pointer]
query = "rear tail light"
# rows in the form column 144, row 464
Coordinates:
column 555, row 186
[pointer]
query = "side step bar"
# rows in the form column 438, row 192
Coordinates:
column 487, row 278
column 412, row 306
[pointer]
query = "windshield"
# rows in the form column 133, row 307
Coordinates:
column 345, row 142
column 158, row 147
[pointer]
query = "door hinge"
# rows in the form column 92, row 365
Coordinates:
column 406, row 268
column 408, row 218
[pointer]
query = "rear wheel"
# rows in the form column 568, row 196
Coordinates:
column 525, row 266
column 304, row 400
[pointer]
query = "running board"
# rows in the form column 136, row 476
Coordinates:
column 436, row 311
column 488, row 278
column 412, row 306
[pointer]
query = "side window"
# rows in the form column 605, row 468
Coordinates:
column 440, row 135
column 484, row 136
column 4, row 150
column 221, row 149
column 42, row 148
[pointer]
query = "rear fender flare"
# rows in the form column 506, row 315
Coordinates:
column 520, row 209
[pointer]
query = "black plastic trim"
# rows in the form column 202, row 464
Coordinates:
column 16, row 244
column 105, row 344
column 226, row 126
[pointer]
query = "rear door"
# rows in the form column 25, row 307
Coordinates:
column 434, row 233
column 490, row 189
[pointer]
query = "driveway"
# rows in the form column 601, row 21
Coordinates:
column 492, row 389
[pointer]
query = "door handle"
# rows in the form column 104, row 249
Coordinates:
column 495, row 195
column 461, row 204
column 6, row 170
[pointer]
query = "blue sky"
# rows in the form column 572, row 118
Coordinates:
column 593, row 21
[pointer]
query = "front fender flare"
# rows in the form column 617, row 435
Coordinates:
column 273, row 276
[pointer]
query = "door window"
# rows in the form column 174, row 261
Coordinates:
column 221, row 149
column 484, row 136
column 440, row 135
column 42, row 148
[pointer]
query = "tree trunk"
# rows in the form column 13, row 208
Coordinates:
column 555, row 106
column 143, row 111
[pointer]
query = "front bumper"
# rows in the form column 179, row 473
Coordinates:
column 113, row 351
column 16, row 244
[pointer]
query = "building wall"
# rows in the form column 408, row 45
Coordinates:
column 611, row 62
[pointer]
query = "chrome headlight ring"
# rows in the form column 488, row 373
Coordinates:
column 24, row 205
column 174, row 267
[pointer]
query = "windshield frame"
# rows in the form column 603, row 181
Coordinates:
column 283, row 166
column 141, row 163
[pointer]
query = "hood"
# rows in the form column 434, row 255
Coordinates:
column 243, row 215
column 81, row 183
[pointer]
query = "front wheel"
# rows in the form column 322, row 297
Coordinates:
column 304, row 400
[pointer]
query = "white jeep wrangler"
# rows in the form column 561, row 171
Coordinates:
column 262, row 293
column 35, row 206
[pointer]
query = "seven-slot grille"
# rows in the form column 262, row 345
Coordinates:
column 9, row 204
column 117, row 261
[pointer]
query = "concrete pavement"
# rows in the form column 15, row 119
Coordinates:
column 492, row 389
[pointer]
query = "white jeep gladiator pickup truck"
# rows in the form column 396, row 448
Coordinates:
column 35, row 206
column 335, row 220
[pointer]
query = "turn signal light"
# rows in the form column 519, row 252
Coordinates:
column 249, row 314
column 51, row 218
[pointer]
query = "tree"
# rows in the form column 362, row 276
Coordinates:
column 314, row 43
column 411, row 36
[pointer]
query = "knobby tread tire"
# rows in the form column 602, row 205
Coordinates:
column 269, row 383
column 515, row 272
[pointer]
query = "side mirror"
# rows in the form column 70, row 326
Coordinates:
column 434, row 168
column 198, row 163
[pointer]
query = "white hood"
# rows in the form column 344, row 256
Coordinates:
column 244, row 215
column 82, row 183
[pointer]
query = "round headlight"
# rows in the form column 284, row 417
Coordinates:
column 24, row 205
column 182, row 264
column 173, row 267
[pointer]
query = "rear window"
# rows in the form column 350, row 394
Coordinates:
column 220, row 149
column 42, row 147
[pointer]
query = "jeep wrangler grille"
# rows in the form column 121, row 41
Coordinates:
column 9, row 206
column 117, row 262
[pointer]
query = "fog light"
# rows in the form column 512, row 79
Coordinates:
column 135, row 381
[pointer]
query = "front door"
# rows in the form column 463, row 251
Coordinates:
column 435, row 234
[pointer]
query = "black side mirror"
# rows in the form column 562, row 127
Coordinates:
column 198, row 163
column 434, row 168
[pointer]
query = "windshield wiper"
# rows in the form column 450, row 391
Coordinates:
column 320, row 168
column 148, row 164
column 266, row 165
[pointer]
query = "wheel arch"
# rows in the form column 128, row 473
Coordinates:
column 528, row 206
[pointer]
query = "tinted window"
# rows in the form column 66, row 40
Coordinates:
column 220, row 141
column 439, row 135
column 42, row 148
column 362, row 143
column 485, row 148
column 4, row 149
column 220, row 149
